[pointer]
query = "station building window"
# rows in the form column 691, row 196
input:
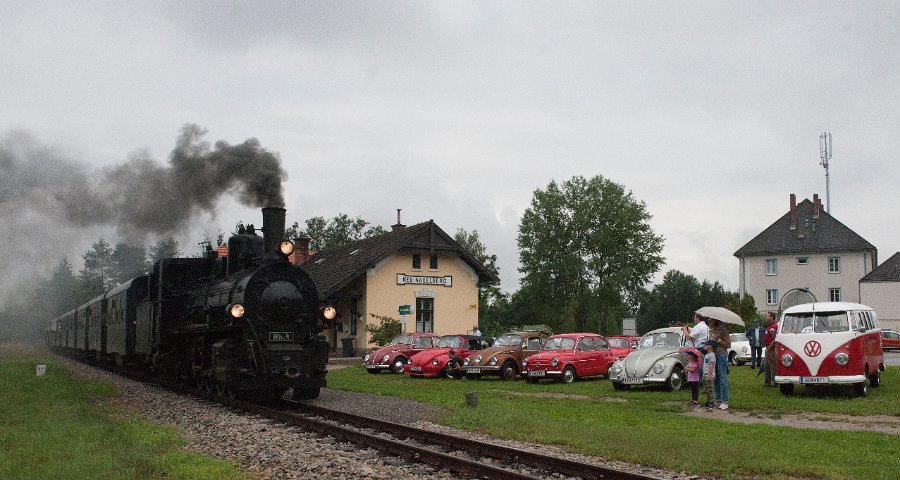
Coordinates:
column 432, row 262
column 425, row 314
column 417, row 261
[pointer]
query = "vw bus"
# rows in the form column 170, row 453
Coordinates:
column 828, row 343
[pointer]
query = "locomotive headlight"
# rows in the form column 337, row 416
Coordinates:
column 329, row 313
column 493, row 361
column 286, row 248
column 236, row 310
column 657, row 368
column 842, row 359
column 787, row 360
column 554, row 362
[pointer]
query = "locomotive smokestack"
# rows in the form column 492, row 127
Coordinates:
column 273, row 227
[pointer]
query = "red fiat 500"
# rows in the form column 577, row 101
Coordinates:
column 433, row 362
column 393, row 356
column 621, row 346
column 569, row 356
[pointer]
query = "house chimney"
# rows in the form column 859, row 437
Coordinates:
column 816, row 205
column 793, row 212
column 301, row 251
column 398, row 226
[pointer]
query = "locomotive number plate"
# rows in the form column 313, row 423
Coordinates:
column 281, row 336
column 813, row 379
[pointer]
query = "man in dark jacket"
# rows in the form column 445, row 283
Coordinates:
column 755, row 336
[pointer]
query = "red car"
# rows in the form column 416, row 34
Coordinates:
column 890, row 340
column 393, row 356
column 569, row 356
column 433, row 362
column 621, row 346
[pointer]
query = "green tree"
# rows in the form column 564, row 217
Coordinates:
column 98, row 274
column 586, row 250
column 385, row 331
column 491, row 300
column 128, row 261
column 163, row 248
column 745, row 307
column 340, row 230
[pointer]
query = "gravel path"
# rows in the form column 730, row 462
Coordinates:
column 270, row 450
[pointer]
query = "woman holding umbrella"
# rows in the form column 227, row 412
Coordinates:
column 718, row 333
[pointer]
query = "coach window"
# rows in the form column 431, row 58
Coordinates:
column 425, row 315
column 432, row 263
column 417, row 261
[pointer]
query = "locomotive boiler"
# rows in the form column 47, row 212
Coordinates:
column 242, row 325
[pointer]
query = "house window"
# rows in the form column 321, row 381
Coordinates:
column 802, row 260
column 425, row 315
column 771, row 296
column 772, row 266
column 834, row 294
column 432, row 262
column 417, row 262
column 834, row 264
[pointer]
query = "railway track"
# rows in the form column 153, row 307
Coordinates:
column 464, row 456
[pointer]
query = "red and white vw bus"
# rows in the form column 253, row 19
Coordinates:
column 828, row 343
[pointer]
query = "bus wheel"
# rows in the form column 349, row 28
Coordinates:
column 875, row 379
column 786, row 388
column 862, row 388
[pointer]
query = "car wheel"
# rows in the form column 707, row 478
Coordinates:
column 732, row 359
column 508, row 371
column 675, row 380
column 875, row 379
column 862, row 388
column 397, row 366
column 373, row 370
column 618, row 386
column 568, row 375
column 786, row 388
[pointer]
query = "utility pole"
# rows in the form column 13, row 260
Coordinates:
column 825, row 156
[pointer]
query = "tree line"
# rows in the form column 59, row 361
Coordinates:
column 587, row 254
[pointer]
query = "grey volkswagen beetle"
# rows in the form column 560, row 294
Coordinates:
column 657, row 361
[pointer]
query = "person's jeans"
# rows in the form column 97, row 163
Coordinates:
column 756, row 356
column 721, row 382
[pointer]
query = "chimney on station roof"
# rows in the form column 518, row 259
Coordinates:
column 793, row 212
column 816, row 205
column 398, row 226
column 301, row 251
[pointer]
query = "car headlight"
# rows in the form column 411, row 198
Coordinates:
column 466, row 361
column 617, row 367
column 435, row 361
column 787, row 360
column 366, row 358
column 657, row 368
column 477, row 359
column 385, row 358
column 493, row 361
column 842, row 359
column 554, row 362
column 524, row 363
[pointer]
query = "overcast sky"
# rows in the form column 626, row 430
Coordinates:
column 710, row 113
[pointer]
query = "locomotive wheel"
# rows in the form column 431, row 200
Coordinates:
column 208, row 387
column 221, row 389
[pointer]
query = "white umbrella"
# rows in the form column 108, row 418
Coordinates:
column 721, row 314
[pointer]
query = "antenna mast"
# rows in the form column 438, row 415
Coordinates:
column 825, row 155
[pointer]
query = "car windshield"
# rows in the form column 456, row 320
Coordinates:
column 818, row 322
column 423, row 342
column 618, row 342
column 450, row 342
column 737, row 337
column 559, row 344
column 661, row 339
column 508, row 341
column 402, row 340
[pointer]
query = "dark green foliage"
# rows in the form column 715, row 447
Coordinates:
column 385, row 331
column 163, row 248
column 492, row 302
column 128, row 261
column 675, row 299
column 340, row 230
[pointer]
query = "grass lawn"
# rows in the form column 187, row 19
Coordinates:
column 55, row 426
column 642, row 425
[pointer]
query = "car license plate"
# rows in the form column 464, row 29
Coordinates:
column 632, row 381
column 537, row 373
column 813, row 379
column 473, row 370
column 415, row 369
column 281, row 336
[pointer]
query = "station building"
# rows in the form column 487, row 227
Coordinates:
column 418, row 275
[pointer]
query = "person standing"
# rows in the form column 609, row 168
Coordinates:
column 718, row 333
column 476, row 331
column 755, row 336
column 709, row 373
column 699, row 333
column 693, row 376
column 769, row 342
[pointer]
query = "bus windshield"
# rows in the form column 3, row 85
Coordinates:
column 815, row 322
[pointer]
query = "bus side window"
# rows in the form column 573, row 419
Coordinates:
column 854, row 320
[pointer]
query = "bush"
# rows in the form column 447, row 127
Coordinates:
column 385, row 331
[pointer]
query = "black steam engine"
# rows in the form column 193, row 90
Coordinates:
column 245, row 325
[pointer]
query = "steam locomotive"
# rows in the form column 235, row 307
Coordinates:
column 244, row 325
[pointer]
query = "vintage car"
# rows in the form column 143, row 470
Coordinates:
column 569, row 356
column 505, row 357
column 621, row 346
column 433, row 362
column 890, row 340
column 393, row 356
column 657, row 361
column 739, row 352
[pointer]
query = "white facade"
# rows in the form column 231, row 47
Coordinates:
column 884, row 298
